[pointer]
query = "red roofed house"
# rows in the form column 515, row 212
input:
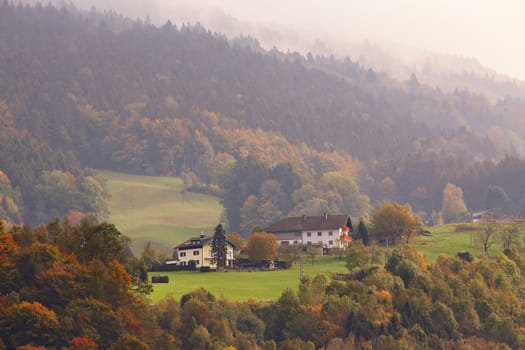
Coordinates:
column 328, row 231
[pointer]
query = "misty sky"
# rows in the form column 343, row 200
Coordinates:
column 491, row 31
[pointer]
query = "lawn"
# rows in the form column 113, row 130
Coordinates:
column 241, row 286
column 158, row 210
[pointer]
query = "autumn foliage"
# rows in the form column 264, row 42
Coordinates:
column 81, row 343
column 279, row 134
column 49, row 298
column 261, row 246
column 70, row 304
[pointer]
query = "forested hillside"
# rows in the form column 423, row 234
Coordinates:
column 96, row 90
column 70, row 286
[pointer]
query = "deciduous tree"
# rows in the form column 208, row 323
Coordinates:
column 104, row 242
column 510, row 235
column 129, row 342
column 8, row 270
column 358, row 256
column 30, row 323
column 453, row 205
column 236, row 239
column 394, row 221
column 261, row 246
column 487, row 236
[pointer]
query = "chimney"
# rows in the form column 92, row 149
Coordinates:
column 304, row 217
column 325, row 216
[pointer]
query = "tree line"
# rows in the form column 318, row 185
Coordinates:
column 75, row 286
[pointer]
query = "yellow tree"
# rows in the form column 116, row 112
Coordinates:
column 261, row 246
column 453, row 206
column 395, row 221
column 30, row 323
column 237, row 239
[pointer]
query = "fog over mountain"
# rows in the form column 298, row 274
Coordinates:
column 466, row 45
column 483, row 31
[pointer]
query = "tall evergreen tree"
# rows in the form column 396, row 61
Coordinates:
column 218, row 247
column 363, row 232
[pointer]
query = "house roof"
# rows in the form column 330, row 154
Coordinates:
column 309, row 223
column 194, row 242
column 198, row 242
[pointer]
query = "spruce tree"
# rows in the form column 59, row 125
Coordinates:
column 363, row 232
column 218, row 247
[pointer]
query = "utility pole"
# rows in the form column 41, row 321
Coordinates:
column 301, row 271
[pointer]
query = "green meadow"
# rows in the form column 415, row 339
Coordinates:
column 454, row 238
column 241, row 286
column 268, row 285
column 158, row 210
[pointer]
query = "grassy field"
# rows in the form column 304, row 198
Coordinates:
column 241, row 286
column 158, row 210
column 451, row 239
column 447, row 239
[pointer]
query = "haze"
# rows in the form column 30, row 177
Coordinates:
column 485, row 30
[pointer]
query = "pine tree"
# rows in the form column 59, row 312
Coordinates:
column 218, row 247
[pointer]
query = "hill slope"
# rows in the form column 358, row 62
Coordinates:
column 109, row 93
column 158, row 210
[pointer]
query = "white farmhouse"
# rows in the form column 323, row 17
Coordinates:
column 328, row 231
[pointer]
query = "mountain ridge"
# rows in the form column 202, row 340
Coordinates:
column 127, row 95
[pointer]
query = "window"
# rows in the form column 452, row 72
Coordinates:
column 330, row 233
column 196, row 262
column 330, row 242
column 308, row 234
column 196, row 252
column 182, row 254
column 319, row 234
column 309, row 242
column 294, row 242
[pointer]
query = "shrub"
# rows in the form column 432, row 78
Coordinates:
column 192, row 265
